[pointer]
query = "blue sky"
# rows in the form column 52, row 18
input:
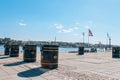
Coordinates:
column 66, row 19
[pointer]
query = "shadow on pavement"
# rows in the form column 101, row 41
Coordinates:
column 33, row 72
column 1, row 55
column 15, row 63
column 4, row 57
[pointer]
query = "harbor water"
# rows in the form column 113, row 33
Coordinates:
column 63, row 50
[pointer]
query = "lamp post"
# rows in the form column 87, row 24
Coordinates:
column 109, row 42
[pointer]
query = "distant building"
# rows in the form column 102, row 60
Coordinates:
column 5, row 40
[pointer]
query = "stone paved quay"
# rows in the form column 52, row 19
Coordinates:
column 90, row 66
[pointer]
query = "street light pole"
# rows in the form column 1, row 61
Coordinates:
column 110, row 42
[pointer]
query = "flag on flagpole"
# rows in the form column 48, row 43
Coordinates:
column 90, row 32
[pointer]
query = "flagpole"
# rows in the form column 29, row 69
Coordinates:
column 83, row 38
column 108, row 38
column 55, row 38
column 88, row 41
column 109, row 42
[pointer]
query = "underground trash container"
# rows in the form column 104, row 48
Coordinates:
column 49, row 56
column 116, row 52
column 80, row 50
column 29, row 53
column 14, row 51
column 7, row 49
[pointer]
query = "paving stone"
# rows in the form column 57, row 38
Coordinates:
column 38, row 78
column 90, row 66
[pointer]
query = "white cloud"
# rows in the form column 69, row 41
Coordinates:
column 58, row 26
column 61, row 28
column 76, row 28
column 22, row 24
column 66, row 30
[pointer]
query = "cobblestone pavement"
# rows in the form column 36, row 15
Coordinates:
column 90, row 66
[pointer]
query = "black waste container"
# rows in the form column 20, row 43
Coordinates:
column 14, row 51
column 29, row 53
column 49, row 56
column 80, row 50
column 116, row 52
column 93, row 49
column 7, row 49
